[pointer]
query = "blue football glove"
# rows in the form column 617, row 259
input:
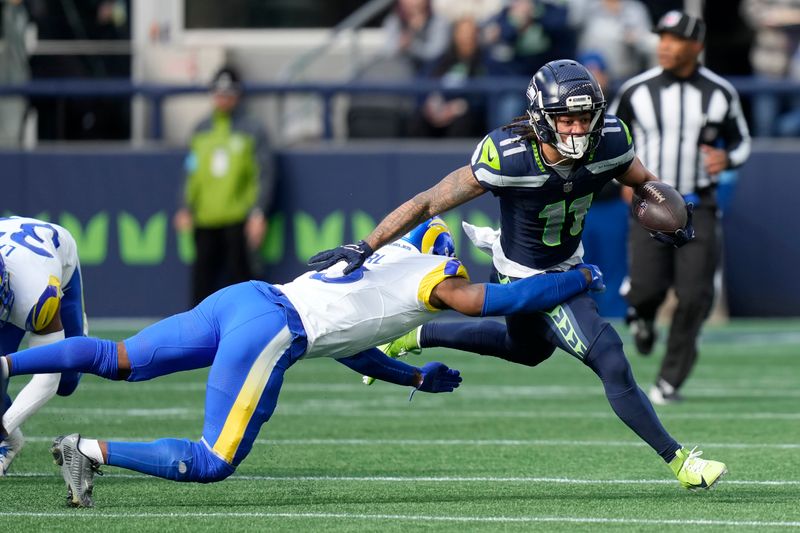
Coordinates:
column 352, row 254
column 680, row 237
column 597, row 284
column 437, row 377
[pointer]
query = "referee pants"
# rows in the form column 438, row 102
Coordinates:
column 655, row 267
column 222, row 260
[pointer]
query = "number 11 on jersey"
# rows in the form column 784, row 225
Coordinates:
column 556, row 215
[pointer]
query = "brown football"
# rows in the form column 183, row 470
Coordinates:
column 658, row 207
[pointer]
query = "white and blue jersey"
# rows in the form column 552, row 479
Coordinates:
column 41, row 262
column 41, row 259
column 252, row 332
column 383, row 299
column 542, row 211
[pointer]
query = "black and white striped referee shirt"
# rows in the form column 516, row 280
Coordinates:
column 670, row 117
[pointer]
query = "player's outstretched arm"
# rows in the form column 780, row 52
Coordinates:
column 456, row 188
column 432, row 377
column 528, row 295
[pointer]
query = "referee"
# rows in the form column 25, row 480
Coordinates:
column 688, row 126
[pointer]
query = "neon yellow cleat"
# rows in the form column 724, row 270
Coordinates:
column 399, row 347
column 694, row 473
column 402, row 346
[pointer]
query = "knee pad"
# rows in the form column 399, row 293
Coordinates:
column 204, row 466
column 68, row 383
column 607, row 359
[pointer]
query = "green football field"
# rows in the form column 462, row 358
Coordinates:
column 514, row 449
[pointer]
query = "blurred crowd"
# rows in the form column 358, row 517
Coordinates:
column 457, row 40
column 451, row 41
column 26, row 24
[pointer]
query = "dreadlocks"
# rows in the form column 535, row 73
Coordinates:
column 521, row 126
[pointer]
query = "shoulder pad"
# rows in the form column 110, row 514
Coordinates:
column 502, row 159
column 46, row 307
column 616, row 149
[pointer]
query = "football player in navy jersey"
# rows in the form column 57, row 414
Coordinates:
column 545, row 168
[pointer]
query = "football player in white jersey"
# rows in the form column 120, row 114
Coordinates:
column 40, row 294
column 252, row 332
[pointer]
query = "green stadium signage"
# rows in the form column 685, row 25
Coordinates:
column 145, row 243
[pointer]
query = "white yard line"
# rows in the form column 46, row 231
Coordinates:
column 351, row 412
column 417, row 518
column 711, row 389
column 461, row 442
column 289, row 408
column 445, row 479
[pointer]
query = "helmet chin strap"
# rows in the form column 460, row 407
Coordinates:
column 578, row 148
column 549, row 164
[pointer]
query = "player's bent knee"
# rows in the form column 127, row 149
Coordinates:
column 528, row 355
column 68, row 383
column 608, row 361
column 205, row 466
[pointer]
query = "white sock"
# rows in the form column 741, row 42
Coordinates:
column 91, row 449
column 3, row 368
column 39, row 389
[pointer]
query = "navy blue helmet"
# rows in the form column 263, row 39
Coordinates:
column 564, row 87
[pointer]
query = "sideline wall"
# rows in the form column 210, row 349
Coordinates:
column 119, row 204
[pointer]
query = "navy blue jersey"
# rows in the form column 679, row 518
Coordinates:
column 541, row 212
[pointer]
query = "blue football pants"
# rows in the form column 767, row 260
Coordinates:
column 248, row 333
column 250, row 337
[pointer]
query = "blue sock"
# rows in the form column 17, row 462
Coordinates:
column 175, row 459
column 82, row 354
column 485, row 337
column 608, row 361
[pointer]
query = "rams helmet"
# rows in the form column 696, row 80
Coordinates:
column 431, row 237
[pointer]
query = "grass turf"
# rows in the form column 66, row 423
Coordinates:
column 513, row 449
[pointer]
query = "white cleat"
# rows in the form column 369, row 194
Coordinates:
column 9, row 448
column 662, row 393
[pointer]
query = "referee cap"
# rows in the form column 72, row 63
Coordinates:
column 683, row 25
column 227, row 81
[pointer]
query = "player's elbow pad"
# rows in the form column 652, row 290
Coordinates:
column 536, row 293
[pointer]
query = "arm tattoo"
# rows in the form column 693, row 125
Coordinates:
column 455, row 189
